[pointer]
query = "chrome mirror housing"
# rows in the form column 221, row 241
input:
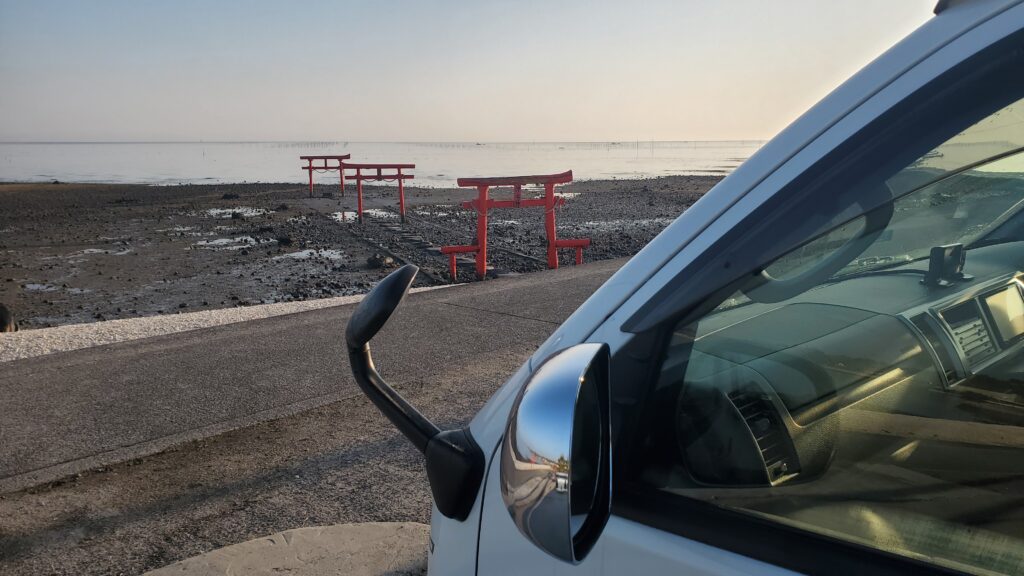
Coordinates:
column 556, row 454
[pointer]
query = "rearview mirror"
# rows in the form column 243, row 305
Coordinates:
column 556, row 454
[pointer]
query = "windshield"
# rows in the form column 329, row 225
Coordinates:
column 953, row 194
column 957, row 209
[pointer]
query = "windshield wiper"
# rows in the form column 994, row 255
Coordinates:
column 870, row 263
column 877, row 272
column 983, row 242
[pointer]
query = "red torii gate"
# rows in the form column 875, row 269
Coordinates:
column 482, row 204
column 325, row 167
column 379, row 176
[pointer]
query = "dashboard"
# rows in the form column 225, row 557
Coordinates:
column 767, row 387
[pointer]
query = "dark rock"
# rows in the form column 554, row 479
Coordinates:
column 230, row 196
column 237, row 216
column 284, row 240
column 281, row 207
column 7, row 323
column 380, row 261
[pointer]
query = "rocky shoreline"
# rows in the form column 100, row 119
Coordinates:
column 74, row 253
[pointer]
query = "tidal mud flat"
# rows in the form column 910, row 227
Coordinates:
column 74, row 253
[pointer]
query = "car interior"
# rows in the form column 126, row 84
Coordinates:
column 869, row 384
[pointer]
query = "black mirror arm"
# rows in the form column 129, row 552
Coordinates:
column 407, row 419
column 455, row 463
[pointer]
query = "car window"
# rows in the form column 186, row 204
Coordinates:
column 868, row 385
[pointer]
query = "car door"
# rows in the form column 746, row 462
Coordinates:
column 848, row 377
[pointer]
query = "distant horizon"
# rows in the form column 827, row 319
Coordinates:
column 437, row 162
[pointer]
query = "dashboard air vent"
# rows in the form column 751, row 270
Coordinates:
column 969, row 331
column 974, row 341
column 769, row 432
column 931, row 334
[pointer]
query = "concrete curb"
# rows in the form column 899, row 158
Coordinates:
column 69, row 337
column 367, row 549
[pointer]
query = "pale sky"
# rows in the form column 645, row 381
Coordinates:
column 429, row 70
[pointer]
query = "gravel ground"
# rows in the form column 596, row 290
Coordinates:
column 71, row 253
column 74, row 253
column 619, row 216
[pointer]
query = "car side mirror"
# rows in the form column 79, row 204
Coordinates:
column 454, row 461
column 556, row 454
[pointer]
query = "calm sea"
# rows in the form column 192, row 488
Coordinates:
column 437, row 164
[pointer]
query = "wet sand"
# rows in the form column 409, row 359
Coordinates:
column 74, row 253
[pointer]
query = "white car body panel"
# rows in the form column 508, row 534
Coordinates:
column 626, row 547
column 666, row 553
column 490, row 544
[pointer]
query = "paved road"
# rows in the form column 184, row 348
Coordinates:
column 73, row 411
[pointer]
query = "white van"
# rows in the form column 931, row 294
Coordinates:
column 818, row 368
